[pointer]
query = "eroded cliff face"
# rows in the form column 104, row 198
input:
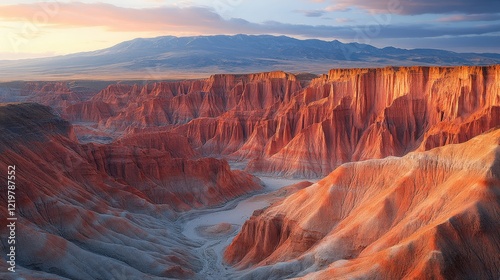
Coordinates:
column 359, row 114
column 430, row 212
column 426, row 215
column 122, row 106
column 93, row 211
column 57, row 95
column 287, row 126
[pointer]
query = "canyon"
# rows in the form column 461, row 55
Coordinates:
column 269, row 119
column 358, row 173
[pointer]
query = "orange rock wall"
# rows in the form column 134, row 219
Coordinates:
column 289, row 127
column 430, row 214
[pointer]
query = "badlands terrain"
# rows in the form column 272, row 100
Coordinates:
column 364, row 173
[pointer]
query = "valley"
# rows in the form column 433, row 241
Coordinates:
column 226, row 222
column 356, row 173
column 250, row 140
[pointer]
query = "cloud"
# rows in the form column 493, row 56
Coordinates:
column 343, row 20
column 114, row 18
column 418, row 7
column 312, row 13
column 205, row 21
column 478, row 44
column 430, row 31
column 471, row 17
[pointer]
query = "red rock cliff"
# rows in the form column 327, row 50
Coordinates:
column 427, row 215
column 283, row 128
column 358, row 114
column 104, row 204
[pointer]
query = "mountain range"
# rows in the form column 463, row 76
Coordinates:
column 172, row 57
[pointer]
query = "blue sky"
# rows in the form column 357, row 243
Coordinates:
column 37, row 28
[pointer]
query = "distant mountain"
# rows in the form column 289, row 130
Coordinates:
column 199, row 56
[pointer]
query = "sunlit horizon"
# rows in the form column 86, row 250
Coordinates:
column 33, row 29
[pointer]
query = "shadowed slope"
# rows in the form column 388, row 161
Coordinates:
column 103, row 211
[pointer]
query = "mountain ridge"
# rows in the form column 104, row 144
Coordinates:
column 199, row 56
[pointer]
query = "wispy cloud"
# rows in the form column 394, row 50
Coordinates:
column 471, row 17
column 115, row 18
column 321, row 12
column 414, row 7
column 203, row 20
column 344, row 20
column 477, row 44
column 312, row 13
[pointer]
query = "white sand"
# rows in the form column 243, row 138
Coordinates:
column 234, row 213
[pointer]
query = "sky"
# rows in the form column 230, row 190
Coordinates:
column 31, row 29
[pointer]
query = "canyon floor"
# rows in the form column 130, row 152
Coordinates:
column 214, row 229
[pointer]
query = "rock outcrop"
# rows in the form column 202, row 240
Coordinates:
column 358, row 114
column 427, row 215
column 89, row 210
column 94, row 195
column 287, row 126
column 122, row 106
column 57, row 95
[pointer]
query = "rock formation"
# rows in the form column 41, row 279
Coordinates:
column 287, row 126
column 427, row 215
column 358, row 114
column 414, row 153
column 90, row 210
column 159, row 104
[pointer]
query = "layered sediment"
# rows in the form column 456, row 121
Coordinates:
column 430, row 214
column 285, row 126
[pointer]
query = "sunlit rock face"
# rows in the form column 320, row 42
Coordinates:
column 427, row 215
column 294, row 126
column 410, row 156
column 358, row 114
